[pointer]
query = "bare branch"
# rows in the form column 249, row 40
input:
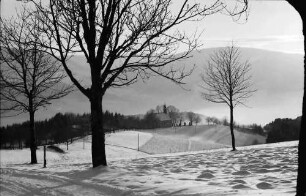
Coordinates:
column 226, row 79
column 126, row 39
column 30, row 78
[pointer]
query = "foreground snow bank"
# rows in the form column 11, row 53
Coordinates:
column 268, row 169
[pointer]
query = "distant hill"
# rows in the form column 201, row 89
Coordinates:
column 277, row 76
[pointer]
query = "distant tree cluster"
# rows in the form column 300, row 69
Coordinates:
column 215, row 121
column 66, row 127
column 212, row 120
column 253, row 128
column 283, row 130
column 58, row 129
column 173, row 112
column 193, row 118
column 178, row 117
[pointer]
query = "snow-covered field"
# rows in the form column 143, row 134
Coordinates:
column 195, row 138
column 268, row 169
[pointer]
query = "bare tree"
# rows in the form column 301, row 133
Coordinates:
column 123, row 41
column 216, row 121
column 227, row 80
column 197, row 120
column 30, row 78
column 181, row 118
column 173, row 113
column 225, row 122
column 209, row 120
column 159, row 109
column 191, row 117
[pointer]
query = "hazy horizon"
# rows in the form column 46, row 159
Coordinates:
column 275, row 98
column 273, row 26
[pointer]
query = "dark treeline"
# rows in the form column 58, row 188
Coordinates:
column 66, row 127
column 251, row 129
column 283, row 130
column 58, row 129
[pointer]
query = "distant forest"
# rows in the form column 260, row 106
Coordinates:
column 285, row 129
column 66, row 127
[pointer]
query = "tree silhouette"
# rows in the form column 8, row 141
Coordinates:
column 226, row 80
column 123, row 41
column 191, row 117
column 173, row 113
column 31, row 78
column 159, row 109
column 197, row 120
column 301, row 178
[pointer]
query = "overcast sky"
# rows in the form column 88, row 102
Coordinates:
column 271, row 25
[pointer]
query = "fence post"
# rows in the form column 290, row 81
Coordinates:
column 84, row 142
column 45, row 161
column 138, row 141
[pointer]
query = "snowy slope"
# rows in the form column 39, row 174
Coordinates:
column 268, row 169
column 194, row 138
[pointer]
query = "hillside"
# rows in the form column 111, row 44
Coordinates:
column 192, row 138
column 277, row 76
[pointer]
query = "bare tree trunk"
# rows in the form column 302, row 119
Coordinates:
column 232, row 127
column 98, row 137
column 20, row 143
column 32, row 138
column 301, row 178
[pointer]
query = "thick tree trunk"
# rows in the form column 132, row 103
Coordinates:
column 32, row 138
column 232, row 127
column 98, row 136
column 301, row 178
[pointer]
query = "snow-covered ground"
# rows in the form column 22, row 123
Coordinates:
column 195, row 138
column 268, row 169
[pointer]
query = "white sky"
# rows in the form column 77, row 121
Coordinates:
column 272, row 25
